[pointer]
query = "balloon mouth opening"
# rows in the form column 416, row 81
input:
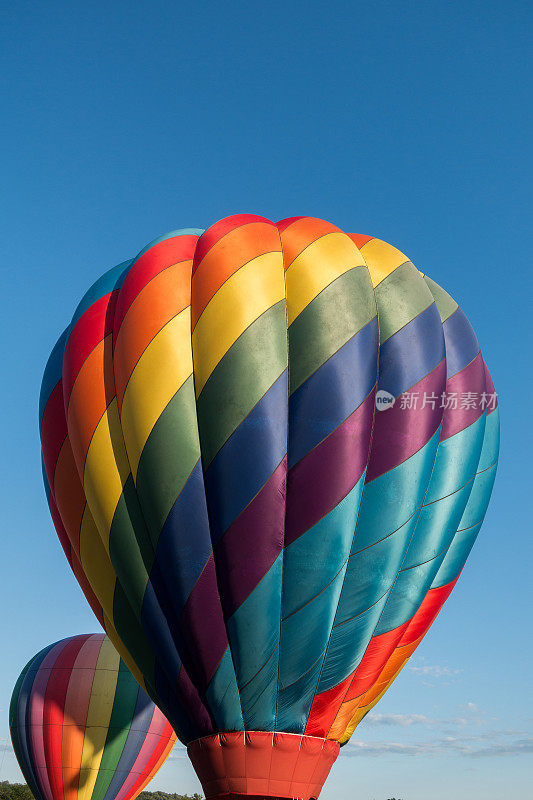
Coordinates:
column 262, row 764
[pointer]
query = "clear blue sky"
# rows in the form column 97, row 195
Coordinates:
column 410, row 121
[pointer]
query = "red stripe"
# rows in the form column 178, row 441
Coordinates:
column 359, row 239
column 54, row 705
column 62, row 534
column 53, row 430
column 424, row 617
column 161, row 743
column 378, row 652
column 324, row 708
column 218, row 230
column 158, row 258
column 93, row 326
column 284, row 223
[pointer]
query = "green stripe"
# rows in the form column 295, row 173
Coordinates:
column 124, row 702
column 168, row 458
column 132, row 635
column 445, row 304
column 130, row 549
column 400, row 297
column 241, row 378
column 328, row 322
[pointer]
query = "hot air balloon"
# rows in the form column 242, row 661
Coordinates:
column 81, row 726
column 268, row 450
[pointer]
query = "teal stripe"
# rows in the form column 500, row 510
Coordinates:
column 258, row 618
column 391, row 499
column 223, row 696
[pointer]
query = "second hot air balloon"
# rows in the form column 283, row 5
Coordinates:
column 263, row 543
column 81, row 726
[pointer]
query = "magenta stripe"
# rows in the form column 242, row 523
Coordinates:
column 401, row 431
column 318, row 482
column 35, row 716
column 252, row 543
column 202, row 623
column 471, row 379
column 153, row 734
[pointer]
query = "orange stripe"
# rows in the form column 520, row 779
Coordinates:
column 69, row 495
column 301, row 233
column 75, row 713
column 88, row 399
column 217, row 231
column 226, row 256
column 158, row 302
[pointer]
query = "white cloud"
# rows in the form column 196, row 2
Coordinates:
column 403, row 720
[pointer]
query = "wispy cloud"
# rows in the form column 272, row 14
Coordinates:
column 434, row 671
column 403, row 720
column 445, row 745
column 468, row 735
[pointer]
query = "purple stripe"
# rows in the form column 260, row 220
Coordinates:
column 471, row 379
column 202, row 625
column 251, row 545
column 325, row 476
column 194, row 705
column 399, row 432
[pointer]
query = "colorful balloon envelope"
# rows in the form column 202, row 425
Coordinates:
column 268, row 450
column 81, row 726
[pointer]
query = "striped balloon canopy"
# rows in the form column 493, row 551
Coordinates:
column 268, row 450
column 81, row 726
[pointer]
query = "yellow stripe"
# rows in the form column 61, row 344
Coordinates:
column 106, row 470
column 96, row 563
column 117, row 642
column 382, row 259
column 98, row 717
column 316, row 267
column 246, row 295
column 360, row 713
column 162, row 368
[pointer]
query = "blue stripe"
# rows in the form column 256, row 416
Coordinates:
column 184, row 545
column 110, row 280
column 411, row 353
column 247, row 459
column 142, row 717
column 47, row 489
column 461, row 343
column 333, row 392
column 52, row 372
column 171, row 235
column 22, row 715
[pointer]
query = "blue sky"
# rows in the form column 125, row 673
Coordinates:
column 409, row 121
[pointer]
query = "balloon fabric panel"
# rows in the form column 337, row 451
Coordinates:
column 264, row 546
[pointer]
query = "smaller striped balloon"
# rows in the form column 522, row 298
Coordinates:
column 81, row 726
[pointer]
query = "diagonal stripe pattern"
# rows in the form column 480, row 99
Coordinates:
column 258, row 473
